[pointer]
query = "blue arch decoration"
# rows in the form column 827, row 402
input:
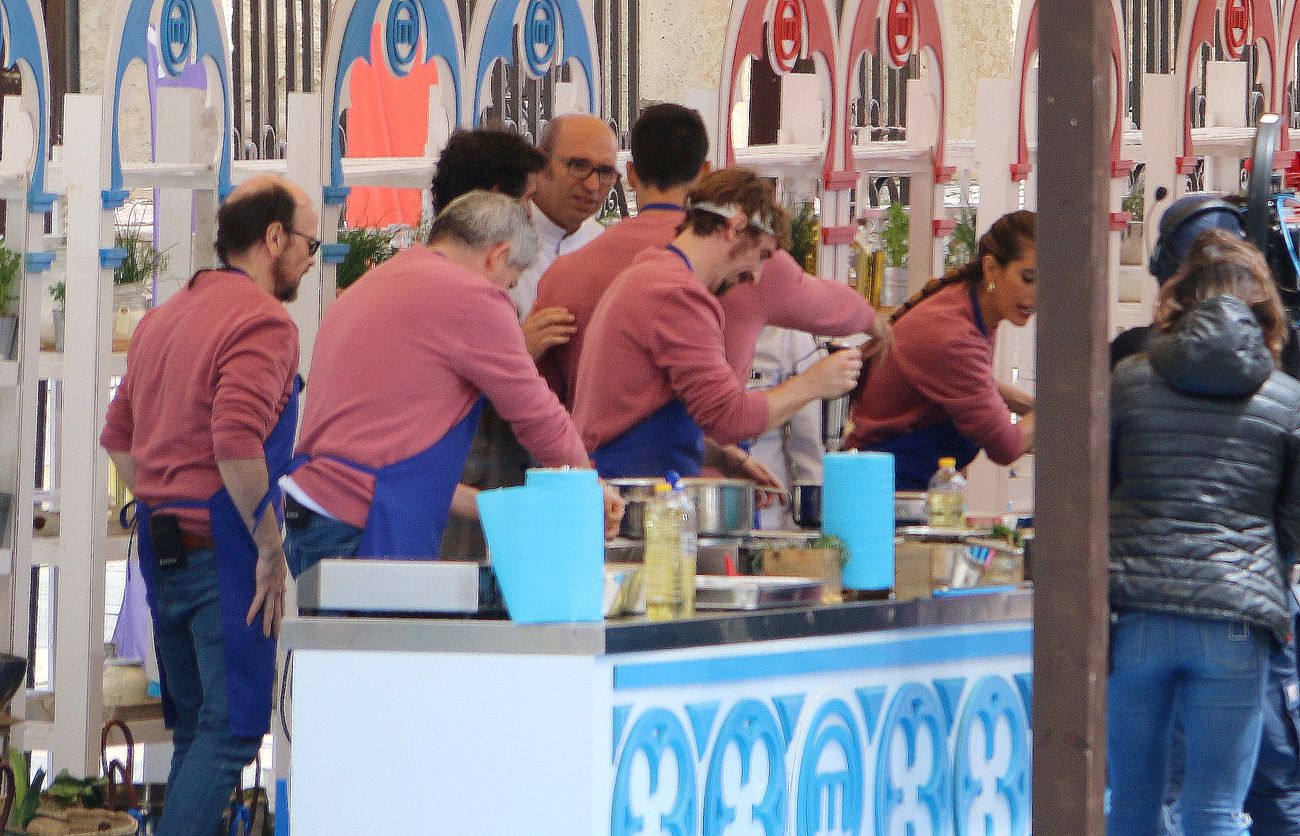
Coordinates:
column 23, row 42
column 655, row 734
column 499, row 42
column 992, row 700
column 748, row 725
column 441, row 40
column 915, row 708
column 204, row 36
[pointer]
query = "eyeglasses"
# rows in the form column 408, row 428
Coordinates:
column 581, row 169
column 313, row 244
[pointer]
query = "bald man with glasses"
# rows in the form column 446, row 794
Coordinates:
column 581, row 151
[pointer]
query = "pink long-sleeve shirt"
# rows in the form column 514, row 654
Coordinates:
column 784, row 296
column 657, row 335
column 207, row 377
column 401, row 357
column 940, row 367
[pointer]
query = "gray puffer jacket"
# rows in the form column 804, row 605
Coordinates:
column 1205, row 472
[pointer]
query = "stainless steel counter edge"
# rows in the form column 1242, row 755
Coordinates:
column 469, row 635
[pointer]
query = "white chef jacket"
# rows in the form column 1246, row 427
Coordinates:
column 554, row 242
column 793, row 451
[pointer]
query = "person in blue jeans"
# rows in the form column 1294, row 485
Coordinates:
column 1273, row 802
column 1204, row 509
column 200, row 430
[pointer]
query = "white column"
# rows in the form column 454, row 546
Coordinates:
column 179, row 112
column 79, row 616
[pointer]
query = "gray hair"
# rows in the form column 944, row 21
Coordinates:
column 481, row 220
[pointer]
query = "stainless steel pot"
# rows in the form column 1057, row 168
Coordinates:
column 723, row 507
column 636, row 492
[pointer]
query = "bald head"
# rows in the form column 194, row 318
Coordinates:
column 267, row 228
column 575, row 144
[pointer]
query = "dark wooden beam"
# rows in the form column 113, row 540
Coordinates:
column 1071, row 611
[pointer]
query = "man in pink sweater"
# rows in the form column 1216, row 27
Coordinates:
column 669, row 146
column 401, row 366
column 201, row 427
column 653, row 377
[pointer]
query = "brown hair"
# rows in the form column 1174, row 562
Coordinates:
column 1220, row 263
column 742, row 187
column 1005, row 241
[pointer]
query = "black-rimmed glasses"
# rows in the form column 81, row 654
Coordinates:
column 581, row 169
column 313, row 244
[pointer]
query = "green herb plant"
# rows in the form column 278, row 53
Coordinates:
column 805, row 232
column 59, row 293
column 894, row 235
column 830, row 541
column 142, row 261
column 961, row 245
column 367, row 247
column 11, row 271
column 27, row 791
column 1135, row 202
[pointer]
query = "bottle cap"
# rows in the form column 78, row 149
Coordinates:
column 947, row 461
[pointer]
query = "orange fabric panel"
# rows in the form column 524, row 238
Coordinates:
column 388, row 117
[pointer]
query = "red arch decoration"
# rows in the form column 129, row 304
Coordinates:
column 1022, row 166
column 862, row 39
column 746, row 40
column 1201, row 31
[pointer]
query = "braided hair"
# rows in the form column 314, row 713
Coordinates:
column 1004, row 241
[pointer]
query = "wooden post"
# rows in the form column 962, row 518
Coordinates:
column 1070, row 554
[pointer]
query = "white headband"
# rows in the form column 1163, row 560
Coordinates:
column 729, row 211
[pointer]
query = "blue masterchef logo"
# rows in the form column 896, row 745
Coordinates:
column 176, row 33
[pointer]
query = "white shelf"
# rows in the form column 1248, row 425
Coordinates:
column 146, row 721
column 242, row 170
column 390, row 172
column 51, row 365
column 46, row 550
column 169, row 175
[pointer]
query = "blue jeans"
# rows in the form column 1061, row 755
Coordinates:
column 1212, row 672
column 1274, row 799
column 321, row 537
column 207, row 759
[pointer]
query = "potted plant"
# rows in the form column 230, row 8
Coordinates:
column 893, row 237
column 1131, row 250
column 961, row 244
column 11, row 271
column 140, row 265
column 59, row 293
column 805, row 235
column 367, row 247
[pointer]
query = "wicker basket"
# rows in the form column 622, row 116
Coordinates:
column 74, row 821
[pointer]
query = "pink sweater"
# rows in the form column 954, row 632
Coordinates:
column 657, row 335
column 401, row 357
column 785, row 296
column 941, row 367
column 207, row 376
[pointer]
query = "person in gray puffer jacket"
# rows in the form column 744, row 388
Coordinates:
column 1204, row 512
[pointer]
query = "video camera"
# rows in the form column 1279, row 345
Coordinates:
column 1270, row 219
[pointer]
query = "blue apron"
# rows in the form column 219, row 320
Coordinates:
column 917, row 454
column 412, row 498
column 669, row 439
column 249, row 656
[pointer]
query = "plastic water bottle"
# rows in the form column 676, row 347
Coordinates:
column 670, row 549
column 946, row 496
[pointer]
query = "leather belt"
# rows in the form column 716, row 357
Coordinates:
column 196, row 542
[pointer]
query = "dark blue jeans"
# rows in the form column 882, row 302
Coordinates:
column 320, row 538
column 207, row 759
column 1212, row 673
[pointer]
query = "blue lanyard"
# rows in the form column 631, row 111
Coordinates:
column 672, row 248
column 670, row 207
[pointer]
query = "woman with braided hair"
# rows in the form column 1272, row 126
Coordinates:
column 934, row 394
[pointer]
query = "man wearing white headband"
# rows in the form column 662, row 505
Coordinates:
column 653, row 378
